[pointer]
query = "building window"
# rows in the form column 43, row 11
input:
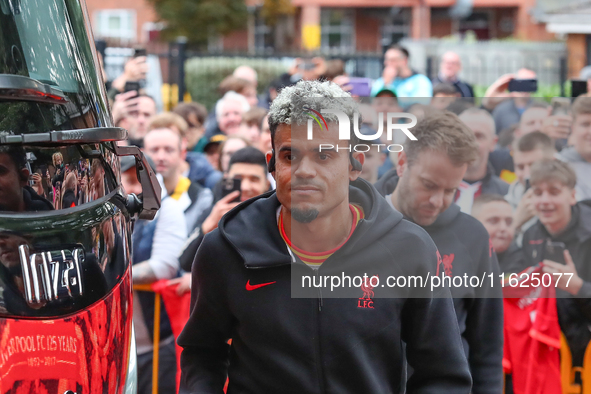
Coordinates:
column 479, row 23
column 151, row 31
column 337, row 27
column 263, row 34
column 119, row 24
column 396, row 26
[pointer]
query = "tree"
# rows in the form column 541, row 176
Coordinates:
column 198, row 20
column 278, row 15
column 273, row 10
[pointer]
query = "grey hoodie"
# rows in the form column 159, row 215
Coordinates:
column 582, row 169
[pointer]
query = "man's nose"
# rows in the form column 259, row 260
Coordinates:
column 245, row 185
column 305, row 169
column 544, row 198
column 158, row 155
column 436, row 199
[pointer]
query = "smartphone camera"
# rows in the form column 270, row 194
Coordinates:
column 523, row 85
column 230, row 185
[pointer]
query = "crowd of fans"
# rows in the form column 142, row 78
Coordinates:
column 527, row 174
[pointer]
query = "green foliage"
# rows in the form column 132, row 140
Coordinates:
column 200, row 19
column 273, row 10
column 204, row 74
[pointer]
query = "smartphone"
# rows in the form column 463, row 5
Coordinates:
column 560, row 105
column 578, row 88
column 523, row 85
column 361, row 86
column 131, row 86
column 527, row 184
column 554, row 251
column 140, row 52
column 230, row 185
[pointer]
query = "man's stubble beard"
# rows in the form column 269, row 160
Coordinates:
column 304, row 215
column 405, row 198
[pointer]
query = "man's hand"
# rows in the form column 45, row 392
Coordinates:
column 570, row 284
column 37, row 185
column 497, row 92
column 142, row 273
column 343, row 82
column 184, row 283
column 557, row 126
column 135, row 70
column 219, row 209
column 124, row 104
column 389, row 74
column 525, row 210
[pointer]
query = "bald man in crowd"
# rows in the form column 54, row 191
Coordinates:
column 449, row 72
column 480, row 177
column 509, row 111
column 248, row 73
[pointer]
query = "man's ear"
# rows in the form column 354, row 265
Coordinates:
column 516, row 133
column 494, row 142
column 360, row 157
column 268, row 157
column 573, row 197
column 184, row 144
column 402, row 163
column 24, row 176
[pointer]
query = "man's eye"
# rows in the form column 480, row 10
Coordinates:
column 289, row 157
column 322, row 156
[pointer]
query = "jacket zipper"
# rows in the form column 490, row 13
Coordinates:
column 319, row 371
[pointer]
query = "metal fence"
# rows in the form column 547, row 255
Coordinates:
column 483, row 62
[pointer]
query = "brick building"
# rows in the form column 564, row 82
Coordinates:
column 570, row 19
column 335, row 26
column 122, row 22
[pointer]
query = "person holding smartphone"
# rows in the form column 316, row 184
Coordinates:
column 578, row 154
column 508, row 112
column 563, row 224
column 246, row 178
column 526, row 151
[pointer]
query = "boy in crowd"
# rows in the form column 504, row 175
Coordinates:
column 496, row 215
column 562, row 219
column 443, row 95
column 527, row 150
